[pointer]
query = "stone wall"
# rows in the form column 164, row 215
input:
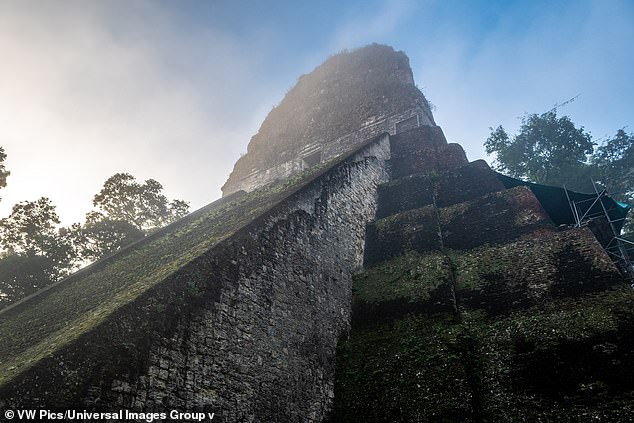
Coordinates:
column 473, row 307
column 421, row 189
column 248, row 330
column 492, row 218
column 424, row 150
column 267, row 349
column 329, row 149
column 539, row 328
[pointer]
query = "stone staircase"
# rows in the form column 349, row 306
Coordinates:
column 438, row 200
column 469, row 290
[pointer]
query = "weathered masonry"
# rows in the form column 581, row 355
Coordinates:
column 378, row 276
column 474, row 306
column 321, row 151
column 345, row 101
column 245, row 327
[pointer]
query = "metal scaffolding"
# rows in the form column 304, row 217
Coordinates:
column 620, row 249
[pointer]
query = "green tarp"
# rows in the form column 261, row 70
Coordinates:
column 555, row 202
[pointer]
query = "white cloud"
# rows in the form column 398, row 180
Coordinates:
column 362, row 29
column 90, row 89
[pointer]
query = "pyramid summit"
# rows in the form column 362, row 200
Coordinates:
column 358, row 269
column 349, row 98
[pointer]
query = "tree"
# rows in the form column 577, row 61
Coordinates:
column 178, row 209
column 546, row 150
column 31, row 227
column 36, row 252
column 101, row 236
column 126, row 212
column 614, row 161
column 3, row 171
column 552, row 151
column 22, row 275
column 144, row 206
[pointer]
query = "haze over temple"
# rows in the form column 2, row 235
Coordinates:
column 348, row 99
column 357, row 269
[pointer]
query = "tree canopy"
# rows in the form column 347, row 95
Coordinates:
column 30, row 229
column 546, row 150
column 144, row 206
column 4, row 173
column 101, row 236
column 614, row 161
column 36, row 251
column 551, row 150
column 126, row 211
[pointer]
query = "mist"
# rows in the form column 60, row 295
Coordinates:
column 174, row 93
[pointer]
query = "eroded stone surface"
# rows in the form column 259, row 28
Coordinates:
column 247, row 330
column 472, row 307
column 351, row 97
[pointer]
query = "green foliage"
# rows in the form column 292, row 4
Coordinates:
column 30, row 228
column 101, row 236
column 22, row 275
column 547, row 150
column 36, row 252
column 122, row 198
column 3, row 171
column 550, row 150
column 615, row 164
column 126, row 212
column 178, row 209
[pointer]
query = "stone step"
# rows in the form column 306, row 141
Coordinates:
column 407, row 193
column 494, row 218
column 413, row 230
column 449, row 187
column 424, row 149
column 428, row 159
column 408, row 142
column 496, row 279
column 537, row 321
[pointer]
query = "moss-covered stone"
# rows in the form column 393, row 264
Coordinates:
column 494, row 218
column 413, row 230
column 409, row 371
column 35, row 329
column 542, row 330
column 565, row 360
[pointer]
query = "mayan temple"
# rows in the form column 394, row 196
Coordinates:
column 357, row 269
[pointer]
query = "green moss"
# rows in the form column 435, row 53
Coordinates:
column 439, row 369
column 54, row 318
column 412, row 277
column 520, row 352
column 566, row 358
column 386, row 222
column 507, row 261
column 409, row 372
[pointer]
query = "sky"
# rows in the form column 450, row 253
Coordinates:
column 173, row 90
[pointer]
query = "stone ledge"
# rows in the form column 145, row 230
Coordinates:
column 445, row 188
column 494, row 218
